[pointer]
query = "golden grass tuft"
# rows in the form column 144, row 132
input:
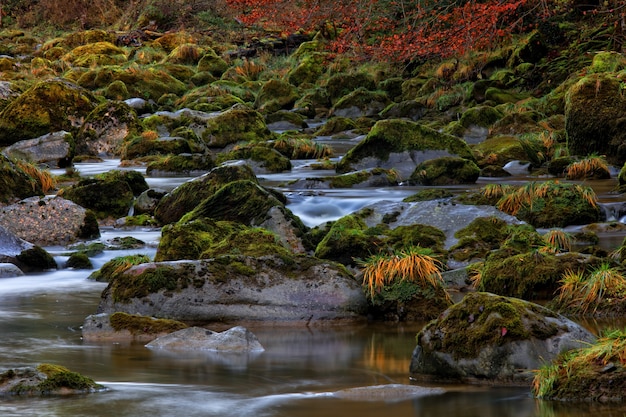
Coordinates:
column 249, row 69
column 43, row 177
column 558, row 240
column 150, row 135
column 414, row 263
column 581, row 293
column 587, row 168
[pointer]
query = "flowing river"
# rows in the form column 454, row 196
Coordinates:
column 298, row 375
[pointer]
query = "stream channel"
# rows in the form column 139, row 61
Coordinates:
column 296, row 376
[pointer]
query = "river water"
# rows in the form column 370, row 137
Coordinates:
column 298, row 375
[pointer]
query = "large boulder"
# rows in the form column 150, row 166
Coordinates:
column 237, row 339
column 276, row 95
column 491, row 339
column 49, row 221
column 54, row 149
column 361, row 103
column 594, row 118
column 235, row 288
column 49, row 106
column 402, row 145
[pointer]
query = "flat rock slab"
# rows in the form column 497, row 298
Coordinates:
column 387, row 392
column 236, row 339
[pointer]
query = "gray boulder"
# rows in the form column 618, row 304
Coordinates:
column 387, row 392
column 49, row 221
column 443, row 214
column 234, row 288
column 45, row 379
column 236, row 339
column 52, row 149
column 490, row 339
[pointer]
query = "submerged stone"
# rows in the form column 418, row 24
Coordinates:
column 236, row 339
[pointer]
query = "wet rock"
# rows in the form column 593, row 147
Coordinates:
column 53, row 149
column 8, row 270
column 49, row 221
column 387, row 392
column 45, row 379
column 147, row 201
column 105, row 129
column 489, row 339
column 234, row 288
column 236, row 339
column 361, row 103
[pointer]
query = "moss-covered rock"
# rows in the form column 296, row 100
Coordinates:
column 428, row 194
column 243, row 201
column 308, row 70
column 45, row 379
column 446, row 171
column 479, row 238
column 182, row 164
column 402, row 145
column 79, row 260
column 35, row 259
column 593, row 373
column 212, row 63
column 531, row 275
column 594, row 118
column 361, row 103
column 552, row 204
column 188, row 195
column 262, row 159
column 347, row 241
column 342, row 84
column 239, row 288
column 96, row 54
column 498, row 150
column 48, row 106
column 336, row 125
column 238, row 124
column 109, row 194
column 276, row 95
column 489, row 339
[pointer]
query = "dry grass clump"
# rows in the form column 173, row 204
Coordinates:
column 249, row 69
column 582, row 292
column 414, row 264
column 558, row 240
column 593, row 166
column 43, row 177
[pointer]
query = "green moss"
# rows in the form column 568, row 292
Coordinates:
column 144, row 325
column 421, row 235
column 308, row 70
column 484, row 116
column 480, row 237
column 276, row 95
column 483, row 319
column 347, row 241
column 183, row 164
column 149, row 279
column 205, row 238
column 342, row 84
column 531, row 275
column 116, row 266
column 428, row 194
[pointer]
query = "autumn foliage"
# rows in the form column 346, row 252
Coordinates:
column 397, row 30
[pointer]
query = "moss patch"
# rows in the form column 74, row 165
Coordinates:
column 136, row 324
